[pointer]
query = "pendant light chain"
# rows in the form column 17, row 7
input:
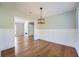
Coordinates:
column 41, row 12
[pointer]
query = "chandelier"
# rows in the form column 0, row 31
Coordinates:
column 41, row 20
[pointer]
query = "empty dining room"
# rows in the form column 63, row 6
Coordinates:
column 39, row 29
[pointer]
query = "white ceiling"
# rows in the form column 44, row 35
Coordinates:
column 49, row 8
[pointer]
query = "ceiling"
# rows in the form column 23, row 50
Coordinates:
column 49, row 8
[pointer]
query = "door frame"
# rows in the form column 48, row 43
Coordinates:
column 31, row 36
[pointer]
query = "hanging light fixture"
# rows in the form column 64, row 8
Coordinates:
column 41, row 20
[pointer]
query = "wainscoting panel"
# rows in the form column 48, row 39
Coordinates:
column 61, row 36
column 6, row 38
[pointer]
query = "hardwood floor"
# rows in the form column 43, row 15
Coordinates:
column 25, row 47
column 8, row 52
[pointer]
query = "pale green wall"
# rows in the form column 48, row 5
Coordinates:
column 7, row 13
column 6, row 17
column 61, row 21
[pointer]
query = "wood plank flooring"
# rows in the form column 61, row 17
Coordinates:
column 8, row 52
column 25, row 47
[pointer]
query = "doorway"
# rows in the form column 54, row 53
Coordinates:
column 24, row 27
column 31, row 30
column 19, row 27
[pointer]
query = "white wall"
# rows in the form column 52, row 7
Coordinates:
column 0, row 53
column 6, row 38
column 77, row 41
column 61, row 36
column 0, row 41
